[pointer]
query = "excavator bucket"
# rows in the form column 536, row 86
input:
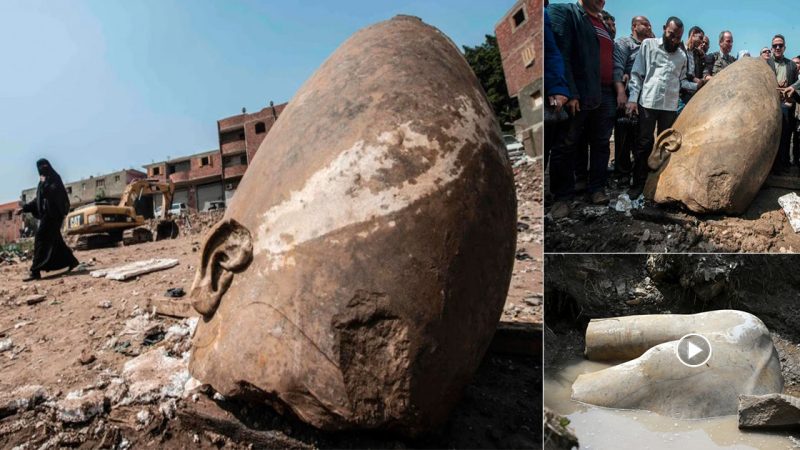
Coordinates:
column 166, row 229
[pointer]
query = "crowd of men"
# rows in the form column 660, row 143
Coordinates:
column 632, row 86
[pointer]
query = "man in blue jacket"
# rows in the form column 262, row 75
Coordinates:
column 587, row 50
column 555, row 86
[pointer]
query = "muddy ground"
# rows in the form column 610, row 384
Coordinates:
column 657, row 228
column 90, row 364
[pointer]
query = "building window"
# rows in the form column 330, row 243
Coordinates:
column 69, row 189
column 205, row 161
column 156, row 170
column 241, row 136
column 9, row 215
column 116, row 178
column 538, row 101
column 243, row 159
column 261, row 128
column 24, row 198
column 527, row 56
column 83, row 186
column 518, row 18
column 100, row 183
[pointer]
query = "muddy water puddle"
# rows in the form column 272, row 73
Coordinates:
column 603, row 428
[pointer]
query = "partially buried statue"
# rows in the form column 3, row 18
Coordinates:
column 743, row 361
column 360, row 271
column 720, row 150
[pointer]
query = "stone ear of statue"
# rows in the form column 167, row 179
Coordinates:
column 669, row 141
column 228, row 248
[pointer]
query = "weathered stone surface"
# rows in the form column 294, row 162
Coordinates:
column 773, row 411
column 360, row 271
column 720, row 150
column 743, row 361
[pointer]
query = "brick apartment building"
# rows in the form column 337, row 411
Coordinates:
column 519, row 37
column 10, row 223
column 214, row 175
column 104, row 187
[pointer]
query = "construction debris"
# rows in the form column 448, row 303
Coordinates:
column 134, row 269
column 791, row 206
column 34, row 299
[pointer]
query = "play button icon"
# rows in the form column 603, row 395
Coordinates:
column 693, row 350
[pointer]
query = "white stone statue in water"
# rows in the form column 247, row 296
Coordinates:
column 743, row 360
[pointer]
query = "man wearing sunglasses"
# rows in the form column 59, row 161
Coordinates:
column 766, row 53
column 786, row 73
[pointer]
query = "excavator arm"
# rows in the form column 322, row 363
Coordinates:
column 139, row 188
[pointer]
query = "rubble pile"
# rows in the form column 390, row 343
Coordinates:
column 524, row 299
column 13, row 254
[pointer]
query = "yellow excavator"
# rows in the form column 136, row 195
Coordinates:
column 106, row 225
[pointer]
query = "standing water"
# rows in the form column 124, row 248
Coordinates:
column 604, row 428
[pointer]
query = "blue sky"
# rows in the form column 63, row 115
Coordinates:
column 753, row 23
column 97, row 86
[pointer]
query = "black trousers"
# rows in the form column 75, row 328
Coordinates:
column 649, row 119
column 50, row 252
column 625, row 135
column 783, row 160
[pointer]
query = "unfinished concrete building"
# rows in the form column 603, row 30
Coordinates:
column 213, row 176
column 108, row 187
column 196, row 178
column 239, row 139
column 519, row 37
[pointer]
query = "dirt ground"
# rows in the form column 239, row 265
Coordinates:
column 763, row 228
column 525, row 302
column 92, row 365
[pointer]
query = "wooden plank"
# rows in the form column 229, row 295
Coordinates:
column 121, row 273
column 175, row 308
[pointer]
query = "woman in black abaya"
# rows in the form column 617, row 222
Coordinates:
column 50, row 206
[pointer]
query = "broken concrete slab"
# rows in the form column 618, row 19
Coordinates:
column 121, row 273
column 769, row 412
column 154, row 376
column 141, row 330
column 791, row 207
column 22, row 399
column 81, row 406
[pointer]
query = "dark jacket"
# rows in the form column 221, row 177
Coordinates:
column 554, row 81
column 791, row 71
column 580, row 51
